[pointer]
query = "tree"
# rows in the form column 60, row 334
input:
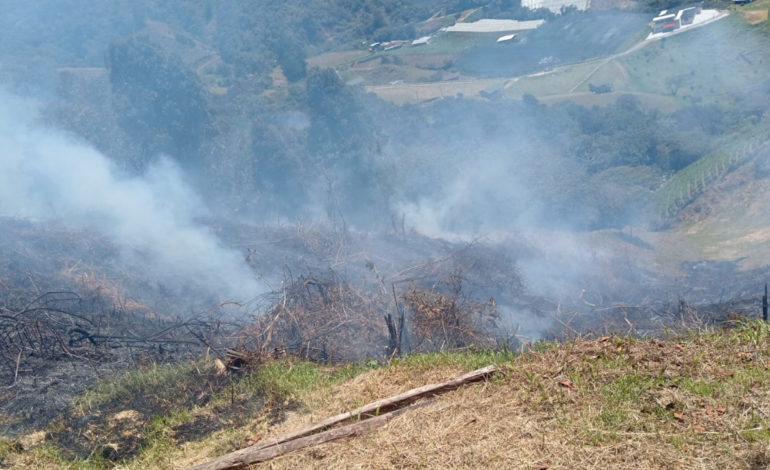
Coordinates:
column 344, row 138
column 290, row 55
column 158, row 101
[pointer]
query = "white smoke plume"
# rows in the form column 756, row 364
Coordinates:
column 46, row 174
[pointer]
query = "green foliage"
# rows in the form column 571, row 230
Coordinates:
column 159, row 102
column 754, row 331
column 289, row 379
column 624, row 133
column 626, row 389
column 164, row 384
column 291, row 58
column 543, row 345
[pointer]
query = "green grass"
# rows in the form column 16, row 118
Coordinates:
column 627, row 389
column 557, row 82
column 711, row 60
column 289, row 379
column 167, row 383
column 445, row 43
column 681, row 70
column 173, row 396
column 8, row 447
column 755, row 5
column 700, row 387
column 278, row 384
column 172, row 384
column 756, row 428
column 755, row 332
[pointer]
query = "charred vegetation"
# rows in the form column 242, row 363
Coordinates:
column 215, row 205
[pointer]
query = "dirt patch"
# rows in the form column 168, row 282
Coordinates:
column 755, row 16
column 466, row 14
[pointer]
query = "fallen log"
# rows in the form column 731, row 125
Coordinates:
column 368, row 417
column 253, row 454
column 386, row 404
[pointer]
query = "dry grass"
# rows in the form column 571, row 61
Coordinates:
column 701, row 401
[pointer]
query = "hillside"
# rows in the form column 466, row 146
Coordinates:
column 222, row 221
column 611, row 48
column 693, row 401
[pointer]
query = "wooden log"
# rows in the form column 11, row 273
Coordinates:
column 386, row 404
column 253, row 454
column 373, row 412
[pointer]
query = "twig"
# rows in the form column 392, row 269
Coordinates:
column 16, row 373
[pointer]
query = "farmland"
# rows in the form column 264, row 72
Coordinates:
column 659, row 72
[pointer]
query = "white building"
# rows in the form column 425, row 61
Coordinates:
column 556, row 5
column 493, row 26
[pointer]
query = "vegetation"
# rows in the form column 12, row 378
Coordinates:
column 687, row 184
column 229, row 90
column 681, row 400
column 229, row 95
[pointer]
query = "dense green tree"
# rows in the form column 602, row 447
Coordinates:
column 157, row 100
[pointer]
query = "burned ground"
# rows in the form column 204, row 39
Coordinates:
column 68, row 319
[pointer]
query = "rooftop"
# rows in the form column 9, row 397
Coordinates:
column 494, row 26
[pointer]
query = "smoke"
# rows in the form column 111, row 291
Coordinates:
column 514, row 187
column 46, row 175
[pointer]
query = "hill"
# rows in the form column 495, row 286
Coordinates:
column 195, row 177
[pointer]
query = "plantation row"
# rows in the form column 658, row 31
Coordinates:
column 684, row 186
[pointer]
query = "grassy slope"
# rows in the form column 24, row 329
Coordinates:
column 699, row 401
column 610, row 403
column 729, row 221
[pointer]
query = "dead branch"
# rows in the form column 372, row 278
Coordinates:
column 388, row 404
column 371, row 416
column 253, row 454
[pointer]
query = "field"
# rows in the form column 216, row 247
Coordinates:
column 661, row 73
column 403, row 93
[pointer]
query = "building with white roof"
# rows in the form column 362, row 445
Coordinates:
column 494, row 26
